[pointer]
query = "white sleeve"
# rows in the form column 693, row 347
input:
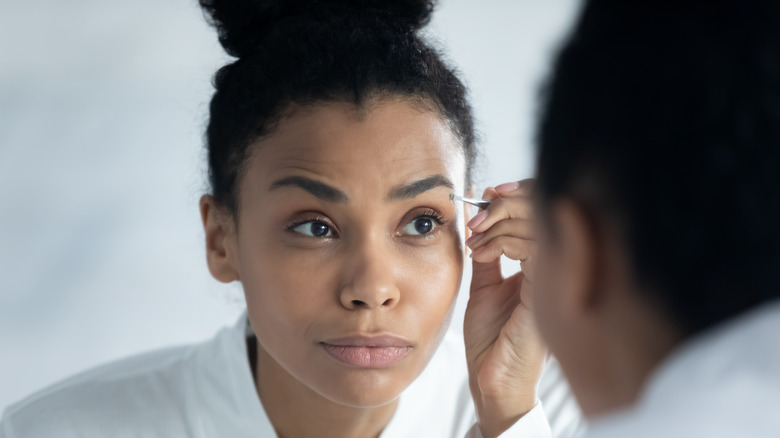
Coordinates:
column 531, row 425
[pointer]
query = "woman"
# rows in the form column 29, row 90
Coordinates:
column 335, row 140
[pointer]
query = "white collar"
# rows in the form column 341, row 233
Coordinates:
column 229, row 399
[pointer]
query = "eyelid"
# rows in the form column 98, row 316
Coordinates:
column 431, row 213
column 425, row 212
column 313, row 217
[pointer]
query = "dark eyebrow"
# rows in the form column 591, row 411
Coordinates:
column 316, row 188
column 409, row 191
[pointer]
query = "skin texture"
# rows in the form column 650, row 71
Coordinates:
column 607, row 338
column 366, row 178
column 372, row 276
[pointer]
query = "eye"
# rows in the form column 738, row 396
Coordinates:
column 421, row 225
column 313, row 229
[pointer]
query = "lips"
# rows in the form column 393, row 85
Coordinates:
column 368, row 351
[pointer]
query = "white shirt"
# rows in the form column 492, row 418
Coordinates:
column 207, row 390
column 723, row 383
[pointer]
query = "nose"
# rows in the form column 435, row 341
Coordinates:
column 370, row 279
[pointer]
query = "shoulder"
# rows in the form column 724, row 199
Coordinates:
column 717, row 384
column 137, row 391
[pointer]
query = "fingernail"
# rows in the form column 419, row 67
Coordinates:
column 476, row 220
column 476, row 237
column 507, row 187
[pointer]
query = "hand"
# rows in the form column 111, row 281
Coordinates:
column 504, row 353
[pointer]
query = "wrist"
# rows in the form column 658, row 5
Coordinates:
column 493, row 421
column 498, row 410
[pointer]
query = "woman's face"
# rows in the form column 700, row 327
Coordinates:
column 348, row 248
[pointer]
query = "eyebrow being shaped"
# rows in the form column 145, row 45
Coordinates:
column 409, row 191
column 316, row 188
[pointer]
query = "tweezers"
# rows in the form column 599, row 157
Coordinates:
column 481, row 203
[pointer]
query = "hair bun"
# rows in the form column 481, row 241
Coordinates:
column 415, row 13
column 242, row 25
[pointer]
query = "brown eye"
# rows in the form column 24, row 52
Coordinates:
column 314, row 229
column 420, row 226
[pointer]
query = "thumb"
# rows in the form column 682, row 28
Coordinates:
column 485, row 274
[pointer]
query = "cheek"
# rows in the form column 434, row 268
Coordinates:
column 431, row 282
column 285, row 290
column 282, row 289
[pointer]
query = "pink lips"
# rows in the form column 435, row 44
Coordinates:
column 368, row 352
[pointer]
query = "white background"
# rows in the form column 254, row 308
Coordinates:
column 102, row 108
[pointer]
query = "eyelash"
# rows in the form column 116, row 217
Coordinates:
column 429, row 213
column 432, row 214
column 298, row 222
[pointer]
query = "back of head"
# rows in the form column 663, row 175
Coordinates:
column 304, row 52
column 665, row 118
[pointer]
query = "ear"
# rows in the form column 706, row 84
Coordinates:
column 220, row 240
column 581, row 252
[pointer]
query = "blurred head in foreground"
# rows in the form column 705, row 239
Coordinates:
column 658, row 185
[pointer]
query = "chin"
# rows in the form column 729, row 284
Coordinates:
column 364, row 388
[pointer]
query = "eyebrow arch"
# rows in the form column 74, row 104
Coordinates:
column 409, row 191
column 320, row 190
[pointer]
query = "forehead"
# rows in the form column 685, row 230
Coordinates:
column 384, row 143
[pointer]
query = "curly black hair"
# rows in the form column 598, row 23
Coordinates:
column 305, row 52
column 665, row 118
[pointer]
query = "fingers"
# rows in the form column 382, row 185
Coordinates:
column 485, row 274
column 517, row 228
column 506, row 226
column 522, row 188
column 527, row 295
column 515, row 249
column 527, row 267
column 507, row 205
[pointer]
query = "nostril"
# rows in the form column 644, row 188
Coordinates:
column 388, row 302
column 358, row 303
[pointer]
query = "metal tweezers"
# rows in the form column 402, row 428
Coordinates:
column 481, row 203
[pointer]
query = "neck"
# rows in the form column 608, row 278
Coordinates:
column 636, row 341
column 296, row 411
